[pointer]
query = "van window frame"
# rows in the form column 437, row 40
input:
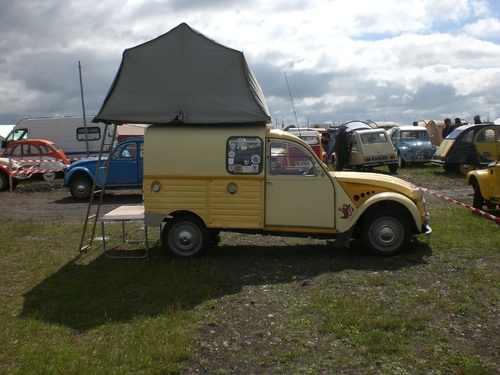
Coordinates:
column 91, row 131
column 289, row 159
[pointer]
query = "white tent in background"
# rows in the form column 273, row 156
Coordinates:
column 5, row 130
column 186, row 77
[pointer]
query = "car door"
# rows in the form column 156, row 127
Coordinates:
column 31, row 154
column 494, row 182
column 126, row 166
column 486, row 141
column 295, row 196
column 396, row 138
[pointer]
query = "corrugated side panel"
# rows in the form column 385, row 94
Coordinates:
column 211, row 199
column 242, row 209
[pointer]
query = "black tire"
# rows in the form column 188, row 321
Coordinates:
column 80, row 187
column 4, row 182
column 449, row 168
column 385, row 232
column 478, row 200
column 185, row 236
column 401, row 162
column 393, row 168
column 214, row 235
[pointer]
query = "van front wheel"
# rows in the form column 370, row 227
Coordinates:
column 385, row 232
column 185, row 236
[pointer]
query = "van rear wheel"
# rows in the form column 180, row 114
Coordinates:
column 385, row 232
column 185, row 236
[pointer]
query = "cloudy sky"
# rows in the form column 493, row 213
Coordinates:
column 385, row 60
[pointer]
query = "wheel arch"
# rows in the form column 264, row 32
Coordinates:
column 400, row 204
column 169, row 216
column 77, row 174
column 480, row 178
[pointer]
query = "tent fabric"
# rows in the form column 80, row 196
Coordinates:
column 183, row 76
column 435, row 130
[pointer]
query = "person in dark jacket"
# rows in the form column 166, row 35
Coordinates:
column 341, row 148
column 456, row 124
column 446, row 129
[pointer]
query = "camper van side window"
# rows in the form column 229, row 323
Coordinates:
column 244, row 155
column 93, row 133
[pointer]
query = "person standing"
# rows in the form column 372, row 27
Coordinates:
column 325, row 139
column 477, row 119
column 415, row 123
column 457, row 123
column 341, row 148
column 446, row 129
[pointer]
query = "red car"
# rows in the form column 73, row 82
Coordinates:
column 39, row 155
column 5, row 171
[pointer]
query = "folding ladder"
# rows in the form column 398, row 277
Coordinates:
column 93, row 209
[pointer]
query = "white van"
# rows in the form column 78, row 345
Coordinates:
column 68, row 133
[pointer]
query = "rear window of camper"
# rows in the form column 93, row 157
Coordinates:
column 93, row 133
column 244, row 155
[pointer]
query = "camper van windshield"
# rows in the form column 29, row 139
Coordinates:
column 17, row 135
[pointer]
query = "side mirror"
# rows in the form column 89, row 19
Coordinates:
column 316, row 170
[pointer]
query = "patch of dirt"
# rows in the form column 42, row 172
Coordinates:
column 45, row 200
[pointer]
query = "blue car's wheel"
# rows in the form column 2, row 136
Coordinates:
column 401, row 161
column 80, row 187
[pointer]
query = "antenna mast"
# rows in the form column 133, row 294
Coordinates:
column 287, row 85
column 83, row 109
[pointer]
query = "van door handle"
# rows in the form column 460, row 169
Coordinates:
column 270, row 182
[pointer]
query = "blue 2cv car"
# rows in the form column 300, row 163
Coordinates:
column 413, row 143
column 125, row 170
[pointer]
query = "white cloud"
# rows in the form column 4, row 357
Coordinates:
column 345, row 59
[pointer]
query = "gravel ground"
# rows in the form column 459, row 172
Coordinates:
column 52, row 201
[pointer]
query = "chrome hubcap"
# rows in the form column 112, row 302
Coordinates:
column 185, row 239
column 386, row 234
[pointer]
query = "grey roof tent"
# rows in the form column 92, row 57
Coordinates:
column 183, row 76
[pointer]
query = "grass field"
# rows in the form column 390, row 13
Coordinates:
column 260, row 305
